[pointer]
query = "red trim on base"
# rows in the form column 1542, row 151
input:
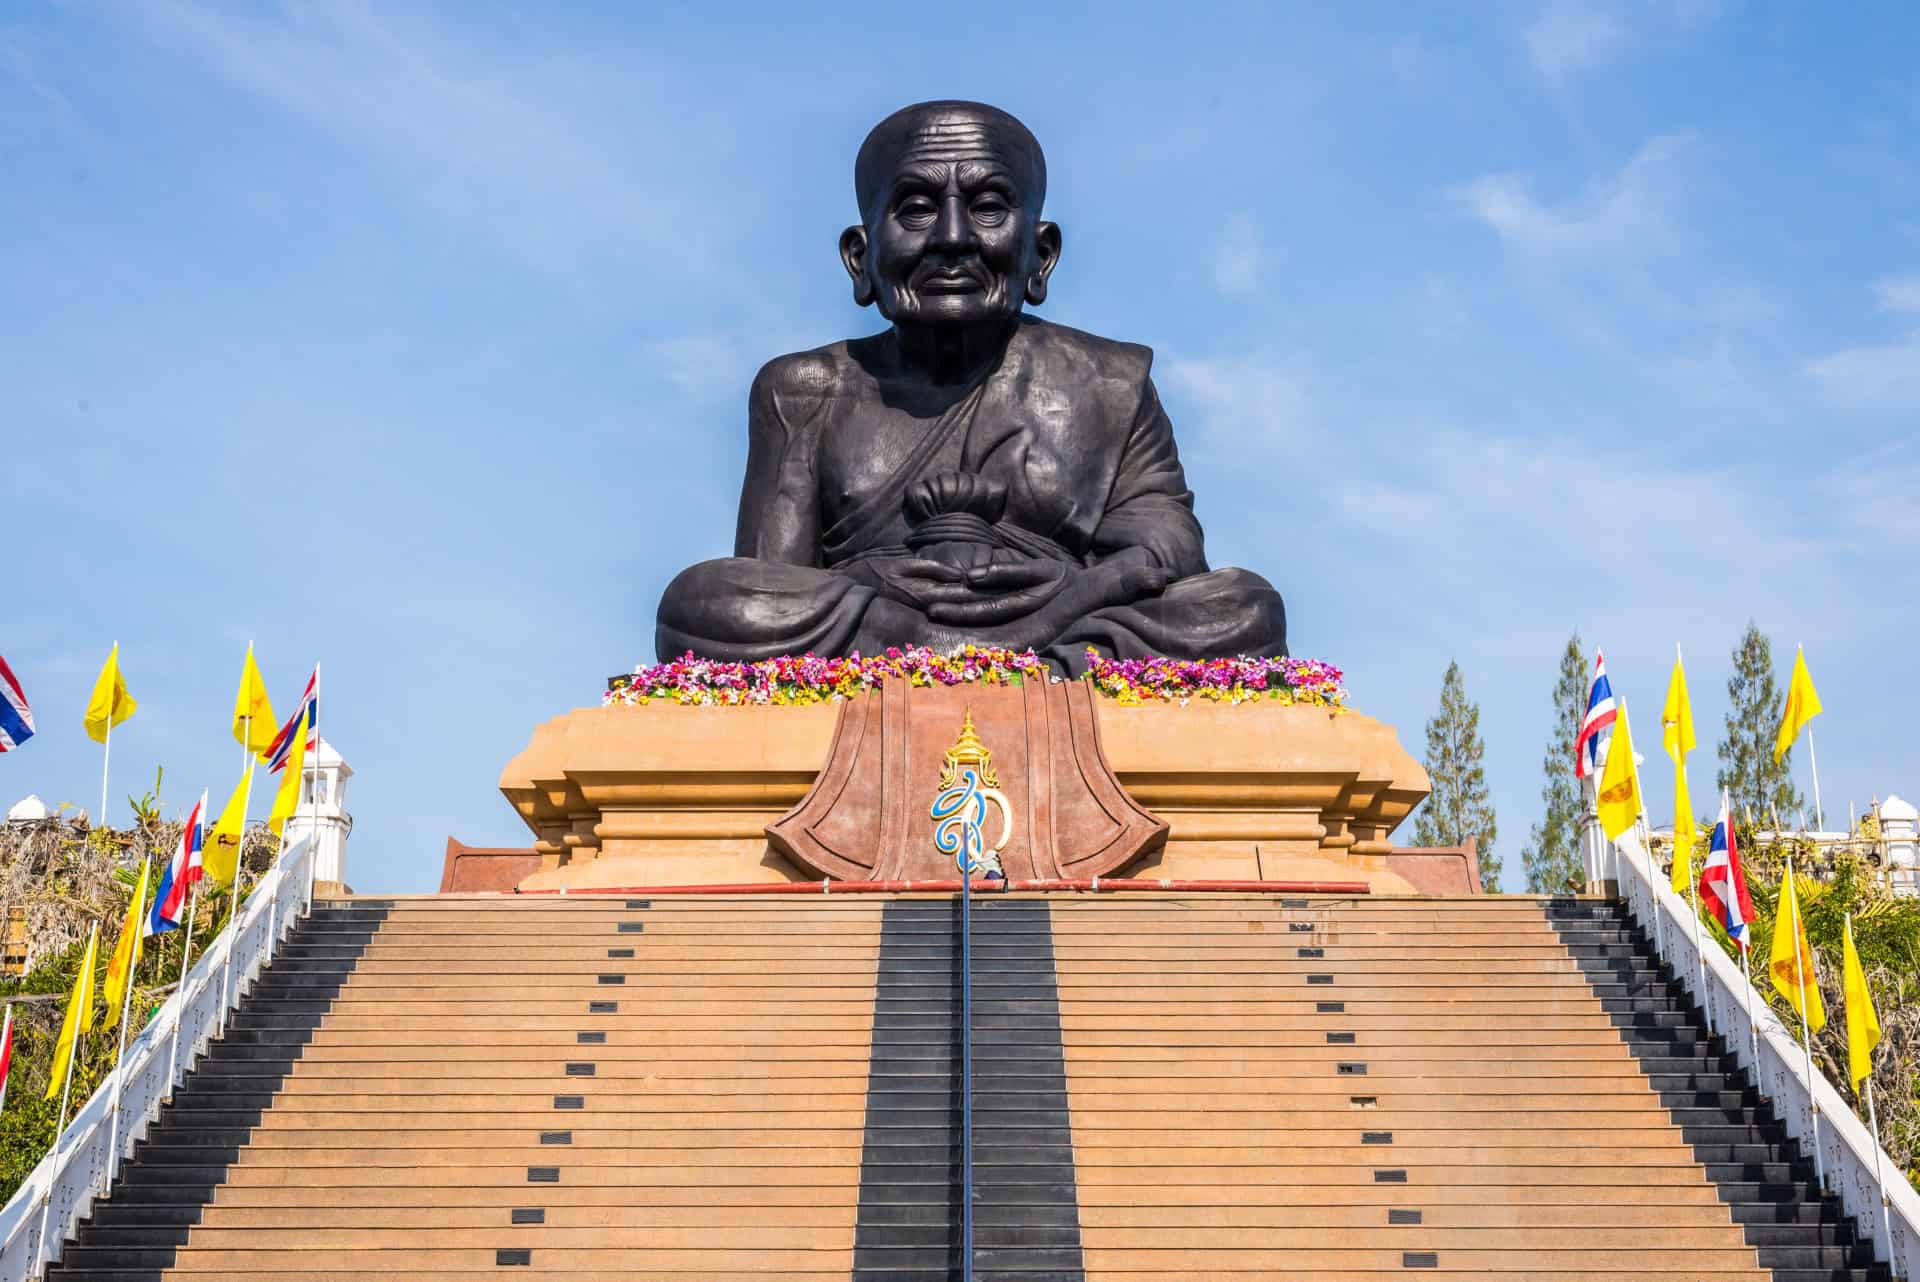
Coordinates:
column 980, row 887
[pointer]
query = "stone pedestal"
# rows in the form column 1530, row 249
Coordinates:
column 665, row 795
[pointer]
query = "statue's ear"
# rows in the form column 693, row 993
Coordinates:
column 853, row 255
column 1046, row 247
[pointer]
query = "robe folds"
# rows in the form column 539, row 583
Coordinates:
column 1059, row 450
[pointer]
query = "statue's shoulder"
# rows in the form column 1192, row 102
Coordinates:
column 1074, row 353
column 822, row 372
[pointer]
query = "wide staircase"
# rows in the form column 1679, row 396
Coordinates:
column 1165, row 1086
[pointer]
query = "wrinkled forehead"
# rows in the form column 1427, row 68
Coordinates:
column 934, row 136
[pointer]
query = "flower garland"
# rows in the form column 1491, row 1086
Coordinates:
column 795, row 680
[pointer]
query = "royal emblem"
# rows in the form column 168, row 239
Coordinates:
column 968, row 786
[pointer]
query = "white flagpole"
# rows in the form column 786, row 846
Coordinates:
column 1693, row 894
column 120, row 1058
column 313, row 828
column 1802, row 970
column 1753, row 1024
column 66, row 1093
column 1886, row 1225
column 1813, row 762
column 180, row 989
column 6, row 1040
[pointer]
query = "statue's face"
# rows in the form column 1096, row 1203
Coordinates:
column 954, row 237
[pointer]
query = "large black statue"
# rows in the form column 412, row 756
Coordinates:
column 971, row 474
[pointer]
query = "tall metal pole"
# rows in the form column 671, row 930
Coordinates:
column 966, row 1064
column 1813, row 763
column 180, row 989
column 1879, row 1185
column 1803, row 970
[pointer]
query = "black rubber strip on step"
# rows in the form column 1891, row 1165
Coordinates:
column 908, row 1221
column 320, row 955
column 1661, row 1024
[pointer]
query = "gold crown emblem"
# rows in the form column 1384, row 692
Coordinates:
column 968, row 750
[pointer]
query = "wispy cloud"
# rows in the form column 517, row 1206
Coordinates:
column 1629, row 209
column 1898, row 293
column 1241, row 259
column 1256, row 401
column 1874, row 377
column 509, row 141
column 1570, row 37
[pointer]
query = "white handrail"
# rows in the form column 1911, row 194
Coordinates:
column 61, row 1190
column 1846, row 1146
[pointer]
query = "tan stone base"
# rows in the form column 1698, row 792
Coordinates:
column 664, row 795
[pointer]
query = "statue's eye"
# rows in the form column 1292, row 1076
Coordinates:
column 916, row 211
column 989, row 209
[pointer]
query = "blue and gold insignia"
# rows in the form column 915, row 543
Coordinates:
column 968, row 785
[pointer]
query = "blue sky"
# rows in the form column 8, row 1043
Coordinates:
column 417, row 339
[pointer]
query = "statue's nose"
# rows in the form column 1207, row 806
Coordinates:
column 952, row 230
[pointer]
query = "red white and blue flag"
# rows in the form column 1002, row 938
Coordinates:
column 282, row 746
column 16, row 718
column 170, row 900
column 1723, row 882
column 1596, row 728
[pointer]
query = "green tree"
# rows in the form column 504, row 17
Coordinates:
column 1757, row 784
column 1552, row 854
column 1459, row 806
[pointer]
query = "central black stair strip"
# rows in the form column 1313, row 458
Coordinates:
column 1758, row 1169
column 1026, row 1212
column 171, row 1175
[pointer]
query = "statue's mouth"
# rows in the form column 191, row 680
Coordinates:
column 949, row 281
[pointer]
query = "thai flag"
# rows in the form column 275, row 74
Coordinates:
column 282, row 746
column 1723, row 883
column 169, row 901
column 16, row 718
column 1596, row 728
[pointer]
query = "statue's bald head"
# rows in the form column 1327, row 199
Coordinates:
column 947, row 130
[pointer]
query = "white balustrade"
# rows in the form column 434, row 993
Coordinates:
column 61, row 1190
column 1846, row 1147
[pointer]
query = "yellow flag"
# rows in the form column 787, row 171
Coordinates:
column 79, row 1017
column 126, row 952
column 1863, row 1025
column 1802, row 706
column 1684, row 831
column 221, row 858
column 253, row 721
column 1620, row 783
column 1676, row 718
column 110, row 703
column 1791, row 962
column 288, row 794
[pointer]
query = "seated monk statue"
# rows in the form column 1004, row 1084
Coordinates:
column 972, row 473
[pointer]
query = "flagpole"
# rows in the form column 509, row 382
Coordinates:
column 1693, row 895
column 1819, row 814
column 180, row 989
column 1873, row 1120
column 1753, row 1024
column 313, row 828
column 106, row 758
column 1802, row 971
column 120, row 1057
column 59, row 1131
column 6, row 1044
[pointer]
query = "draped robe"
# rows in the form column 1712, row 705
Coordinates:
column 1066, row 424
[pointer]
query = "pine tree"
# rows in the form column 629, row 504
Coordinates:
column 1757, row 784
column 1552, row 854
column 1459, row 806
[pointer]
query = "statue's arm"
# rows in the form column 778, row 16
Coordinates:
column 779, row 511
column 1150, row 509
